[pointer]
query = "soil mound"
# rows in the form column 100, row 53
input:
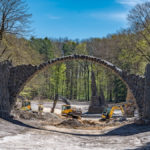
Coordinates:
column 51, row 117
column 30, row 115
column 71, row 123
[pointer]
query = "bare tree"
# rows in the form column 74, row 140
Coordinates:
column 14, row 18
column 139, row 19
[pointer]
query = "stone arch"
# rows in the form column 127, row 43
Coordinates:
column 22, row 74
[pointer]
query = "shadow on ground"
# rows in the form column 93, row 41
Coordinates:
column 129, row 129
column 125, row 130
column 17, row 122
column 143, row 147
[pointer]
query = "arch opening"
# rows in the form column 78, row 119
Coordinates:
column 117, row 71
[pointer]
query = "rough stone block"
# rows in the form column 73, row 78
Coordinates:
column 96, row 109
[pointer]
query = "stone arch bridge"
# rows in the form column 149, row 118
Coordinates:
column 13, row 79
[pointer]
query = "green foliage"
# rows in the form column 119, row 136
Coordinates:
column 73, row 79
column 43, row 46
column 69, row 47
column 128, row 49
column 120, row 90
column 19, row 51
column 81, row 49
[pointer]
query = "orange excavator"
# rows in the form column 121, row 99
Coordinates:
column 26, row 105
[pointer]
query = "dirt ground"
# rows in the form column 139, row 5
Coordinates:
column 17, row 135
column 52, row 132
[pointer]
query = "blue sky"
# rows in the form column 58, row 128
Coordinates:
column 79, row 19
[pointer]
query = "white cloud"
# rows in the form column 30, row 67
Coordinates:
column 130, row 2
column 53, row 17
column 119, row 16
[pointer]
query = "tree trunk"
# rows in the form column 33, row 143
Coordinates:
column 102, row 98
column 93, row 85
column 54, row 104
column 110, row 95
column 2, row 27
column 88, row 80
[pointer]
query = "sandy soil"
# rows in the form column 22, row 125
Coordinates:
column 48, row 105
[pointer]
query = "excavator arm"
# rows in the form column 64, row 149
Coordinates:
column 116, row 108
column 65, row 100
column 108, row 115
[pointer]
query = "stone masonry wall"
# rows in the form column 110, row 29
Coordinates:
column 146, row 112
column 4, row 92
column 19, row 76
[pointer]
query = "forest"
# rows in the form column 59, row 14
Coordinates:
column 128, row 49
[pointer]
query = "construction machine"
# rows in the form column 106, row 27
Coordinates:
column 26, row 105
column 108, row 112
column 66, row 109
column 69, row 111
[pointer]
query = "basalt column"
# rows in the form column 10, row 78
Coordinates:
column 96, row 106
column 4, row 93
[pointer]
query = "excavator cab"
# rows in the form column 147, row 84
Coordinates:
column 106, row 112
column 66, row 109
column 69, row 111
column 26, row 105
